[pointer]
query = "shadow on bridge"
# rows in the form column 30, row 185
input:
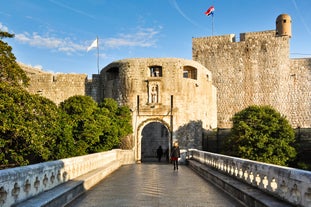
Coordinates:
column 154, row 184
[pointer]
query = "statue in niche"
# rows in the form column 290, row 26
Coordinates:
column 154, row 94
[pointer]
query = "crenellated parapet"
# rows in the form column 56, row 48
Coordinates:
column 55, row 86
column 256, row 70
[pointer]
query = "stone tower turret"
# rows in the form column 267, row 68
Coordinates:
column 284, row 25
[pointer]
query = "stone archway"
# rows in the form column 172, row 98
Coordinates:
column 153, row 135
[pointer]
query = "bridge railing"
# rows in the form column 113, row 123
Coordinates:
column 289, row 184
column 20, row 183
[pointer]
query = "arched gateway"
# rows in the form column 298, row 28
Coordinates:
column 152, row 134
column 170, row 99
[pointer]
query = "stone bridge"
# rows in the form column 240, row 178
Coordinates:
column 58, row 183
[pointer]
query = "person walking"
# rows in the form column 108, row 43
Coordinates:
column 159, row 153
column 175, row 154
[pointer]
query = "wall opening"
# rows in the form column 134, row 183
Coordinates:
column 153, row 135
column 190, row 72
column 113, row 73
column 155, row 71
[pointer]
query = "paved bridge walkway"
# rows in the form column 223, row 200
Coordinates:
column 154, row 184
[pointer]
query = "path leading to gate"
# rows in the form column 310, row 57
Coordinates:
column 154, row 184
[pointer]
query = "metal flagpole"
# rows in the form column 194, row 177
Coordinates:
column 97, row 54
column 212, row 24
column 209, row 12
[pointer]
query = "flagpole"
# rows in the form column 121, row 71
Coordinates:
column 97, row 55
column 210, row 11
column 212, row 24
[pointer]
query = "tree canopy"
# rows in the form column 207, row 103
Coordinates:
column 82, row 114
column 92, row 127
column 261, row 133
column 28, row 126
column 10, row 71
column 34, row 129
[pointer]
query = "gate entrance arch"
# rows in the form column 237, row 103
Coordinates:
column 150, row 135
column 153, row 135
column 175, row 96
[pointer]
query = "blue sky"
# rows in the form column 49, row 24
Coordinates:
column 54, row 34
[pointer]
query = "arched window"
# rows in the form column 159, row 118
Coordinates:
column 112, row 73
column 155, row 71
column 190, row 72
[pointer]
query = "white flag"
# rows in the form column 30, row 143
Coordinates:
column 93, row 45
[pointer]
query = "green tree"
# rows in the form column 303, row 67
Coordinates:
column 117, row 125
column 124, row 122
column 84, row 118
column 64, row 145
column 28, row 125
column 27, row 122
column 261, row 133
column 10, row 71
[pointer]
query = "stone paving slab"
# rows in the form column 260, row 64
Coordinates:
column 154, row 184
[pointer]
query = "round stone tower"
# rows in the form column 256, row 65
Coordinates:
column 171, row 99
column 284, row 25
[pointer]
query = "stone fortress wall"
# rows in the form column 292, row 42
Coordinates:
column 175, row 92
column 56, row 87
column 256, row 69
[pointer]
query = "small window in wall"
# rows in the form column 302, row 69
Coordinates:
column 190, row 72
column 155, row 71
column 112, row 73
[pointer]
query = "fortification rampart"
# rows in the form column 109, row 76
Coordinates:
column 176, row 92
column 252, row 69
column 256, row 70
column 300, row 92
column 56, row 87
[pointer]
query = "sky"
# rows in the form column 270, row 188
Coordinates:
column 53, row 35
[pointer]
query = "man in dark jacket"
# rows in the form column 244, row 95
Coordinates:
column 159, row 153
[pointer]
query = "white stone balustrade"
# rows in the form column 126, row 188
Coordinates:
column 289, row 184
column 20, row 183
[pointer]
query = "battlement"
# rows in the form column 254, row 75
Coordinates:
column 56, row 87
column 253, row 68
column 256, row 70
column 232, row 38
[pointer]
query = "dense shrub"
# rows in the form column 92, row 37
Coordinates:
column 28, row 126
column 261, row 133
column 33, row 129
column 10, row 71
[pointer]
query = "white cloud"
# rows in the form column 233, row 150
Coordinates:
column 63, row 45
column 39, row 67
column 143, row 37
column 3, row 28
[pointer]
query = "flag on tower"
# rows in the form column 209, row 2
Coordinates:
column 210, row 11
column 93, row 45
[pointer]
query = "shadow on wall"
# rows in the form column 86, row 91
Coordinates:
column 214, row 140
column 189, row 135
column 303, row 137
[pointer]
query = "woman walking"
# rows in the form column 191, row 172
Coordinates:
column 175, row 155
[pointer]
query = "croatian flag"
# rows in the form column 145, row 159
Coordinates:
column 210, row 11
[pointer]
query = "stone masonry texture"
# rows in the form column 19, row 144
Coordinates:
column 189, row 97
